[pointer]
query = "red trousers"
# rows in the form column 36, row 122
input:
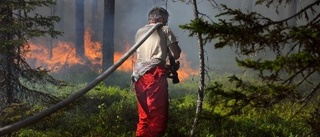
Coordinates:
column 152, row 97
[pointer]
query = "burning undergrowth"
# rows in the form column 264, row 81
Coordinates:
column 61, row 59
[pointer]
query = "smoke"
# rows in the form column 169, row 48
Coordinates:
column 130, row 15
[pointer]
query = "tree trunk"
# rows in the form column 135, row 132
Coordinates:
column 108, row 34
column 53, row 12
column 201, row 76
column 60, row 6
column 6, row 57
column 80, row 28
column 95, row 18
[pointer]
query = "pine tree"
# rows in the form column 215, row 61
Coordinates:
column 287, row 61
column 80, row 28
column 19, row 22
column 108, row 34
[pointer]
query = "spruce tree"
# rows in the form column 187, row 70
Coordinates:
column 20, row 22
column 284, row 58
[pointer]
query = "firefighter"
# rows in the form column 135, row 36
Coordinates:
column 150, row 74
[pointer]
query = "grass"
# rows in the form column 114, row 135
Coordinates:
column 111, row 111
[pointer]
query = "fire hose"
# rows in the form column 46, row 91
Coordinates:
column 35, row 118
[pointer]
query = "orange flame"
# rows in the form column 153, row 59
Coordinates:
column 127, row 66
column 185, row 70
column 63, row 55
column 92, row 50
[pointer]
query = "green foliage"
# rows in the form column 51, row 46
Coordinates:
column 76, row 74
column 112, row 111
column 13, row 113
column 262, row 105
column 251, row 105
column 19, row 23
column 269, row 104
column 26, row 23
column 183, row 88
column 79, row 74
column 198, row 25
column 105, row 111
column 290, row 70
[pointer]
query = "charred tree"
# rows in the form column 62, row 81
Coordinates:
column 108, row 34
column 80, row 28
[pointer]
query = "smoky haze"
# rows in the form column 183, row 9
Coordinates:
column 130, row 15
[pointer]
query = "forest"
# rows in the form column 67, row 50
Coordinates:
column 248, row 68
